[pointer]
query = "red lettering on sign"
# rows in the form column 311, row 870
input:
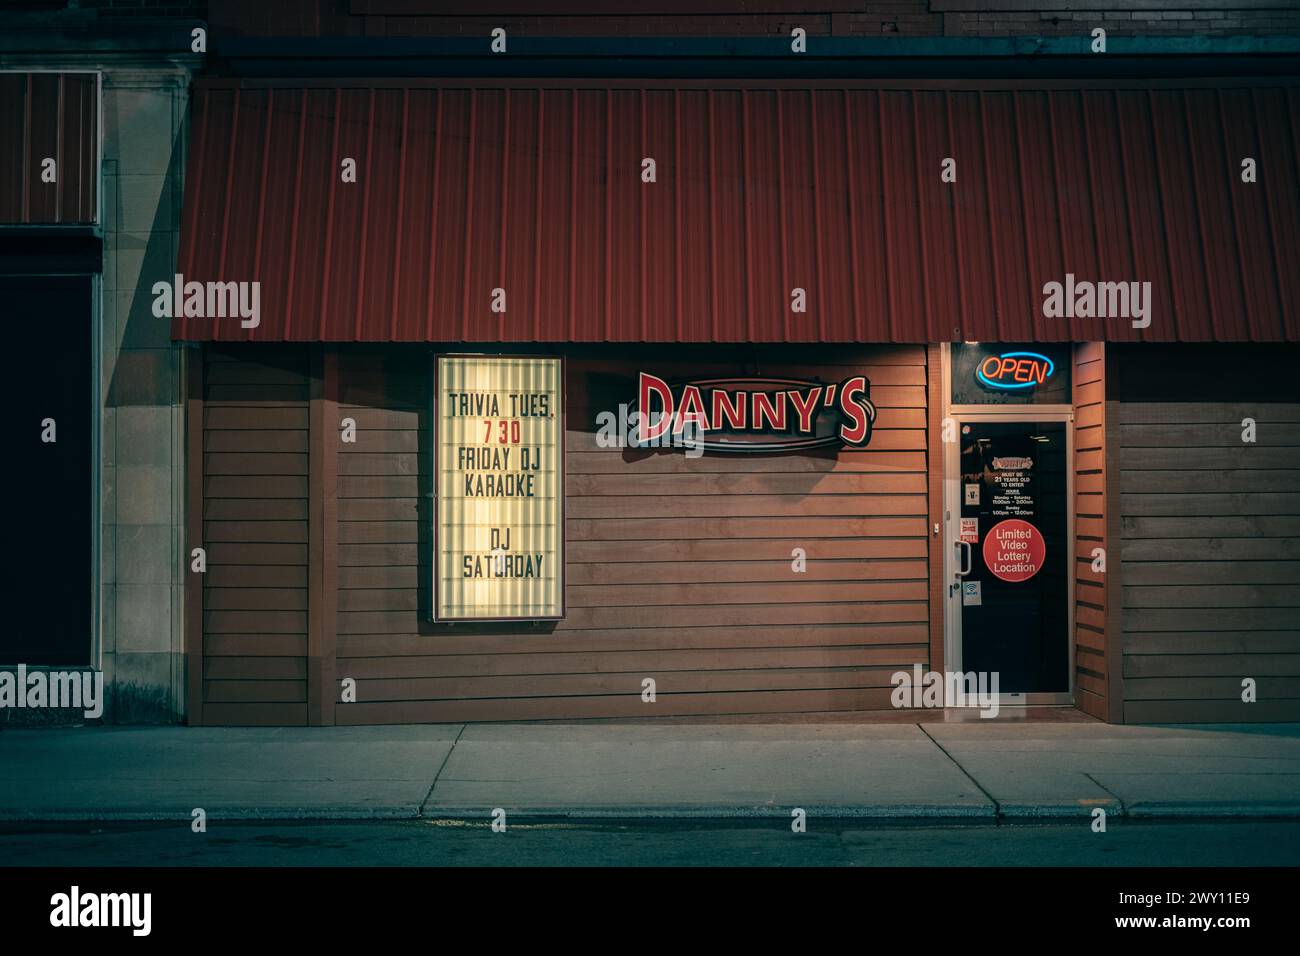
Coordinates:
column 653, row 385
column 805, row 408
column 691, row 411
column 755, row 413
column 858, row 412
column 728, row 409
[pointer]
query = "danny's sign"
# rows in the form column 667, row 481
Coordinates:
column 753, row 414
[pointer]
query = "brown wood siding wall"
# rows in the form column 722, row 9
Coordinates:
column 1211, row 537
column 678, row 569
column 1093, row 693
column 255, row 529
column 934, row 460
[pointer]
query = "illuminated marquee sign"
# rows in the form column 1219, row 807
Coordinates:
column 1014, row 370
column 499, row 488
column 754, row 414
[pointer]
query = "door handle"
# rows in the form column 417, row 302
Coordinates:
column 964, row 568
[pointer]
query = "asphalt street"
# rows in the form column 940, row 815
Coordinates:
column 459, row 842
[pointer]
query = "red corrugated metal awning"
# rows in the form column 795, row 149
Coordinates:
column 467, row 187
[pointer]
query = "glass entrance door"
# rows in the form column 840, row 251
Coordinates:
column 1013, row 561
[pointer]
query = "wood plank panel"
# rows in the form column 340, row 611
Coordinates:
column 677, row 566
column 1209, row 435
column 255, row 509
column 804, row 592
column 255, row 668
column 1211, row 549
column 256, row 486
column 817, row 569
column 528, row 640
column 255, row 622
column 239, row 554
column 662, row 661
column 255, row 691
column 616, row 706
column 256, row 714
column 195, row 583
column 1210, row 711
column 1219, row 503
column 256, row 645
column 1212, row 665
column 900, row 440
column 616, row 529
column 385, row 622
column 680, row 565
column 712, row 549
column 1212, row 642
column 1211, row 553
column 1177, row 413
column 1209, row 482
column 743, row 506
column 281, row 441
column 1208, row 618
column 1213, row 572
column 1209, row 458
column 1193, row 525
column 254, row 465
column 251, row 532
column 571, row 685
column 761, row 484
column 322, row 594
column 619, row 462
column 1216, row 595
column 243, row 418
column 255, row 599
column 1098, row 689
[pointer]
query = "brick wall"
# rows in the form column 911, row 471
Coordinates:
column 863, row 18
column 1156, row 20
column 194, row 9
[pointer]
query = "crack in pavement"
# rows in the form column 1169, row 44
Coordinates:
column 428, row 796
column 997, row 807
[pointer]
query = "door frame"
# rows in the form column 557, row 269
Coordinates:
column 951, row 455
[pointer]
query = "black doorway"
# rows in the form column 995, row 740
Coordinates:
column 47, row 564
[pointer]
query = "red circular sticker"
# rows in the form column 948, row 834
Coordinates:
column 1014, row 550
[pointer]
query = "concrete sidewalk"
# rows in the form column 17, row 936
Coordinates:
column 965, row 771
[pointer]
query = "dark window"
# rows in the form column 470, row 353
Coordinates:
column 47, row 570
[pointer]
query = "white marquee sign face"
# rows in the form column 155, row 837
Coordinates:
column 499, row 445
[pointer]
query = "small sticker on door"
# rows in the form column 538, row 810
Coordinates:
column 970, row 530
column 973, row 494
column 971, row 596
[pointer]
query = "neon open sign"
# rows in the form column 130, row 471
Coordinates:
column 1015, row 370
